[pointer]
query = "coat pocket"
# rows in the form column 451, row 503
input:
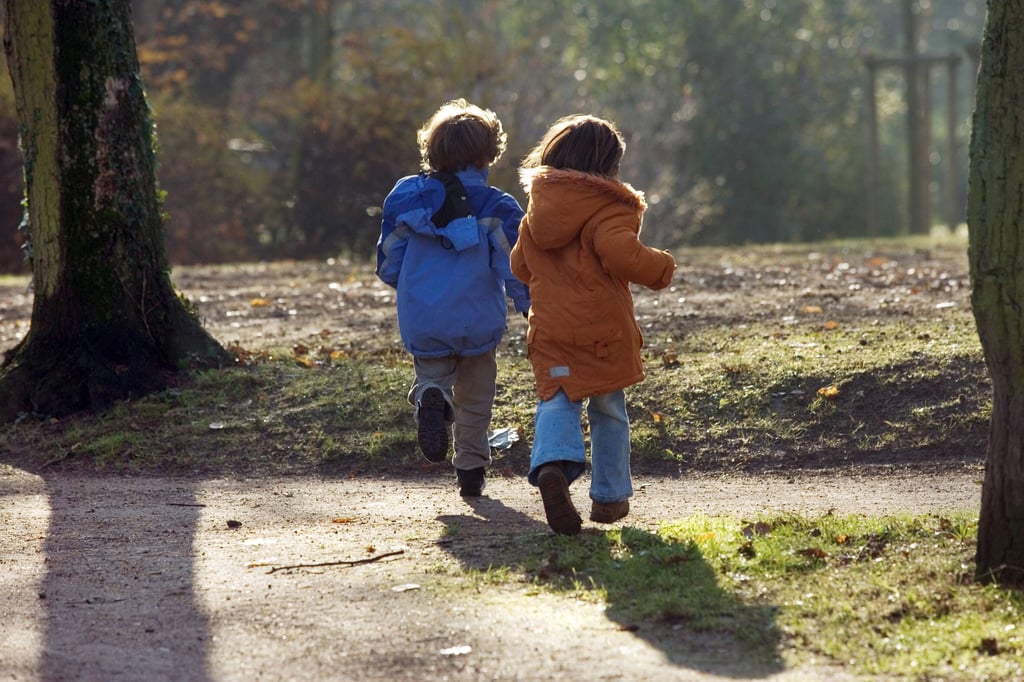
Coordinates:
column 603, row 338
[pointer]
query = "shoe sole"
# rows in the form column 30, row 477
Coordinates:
column 558, row 508
column 432, row 432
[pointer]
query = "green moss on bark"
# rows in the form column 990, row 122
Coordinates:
column 107, row 324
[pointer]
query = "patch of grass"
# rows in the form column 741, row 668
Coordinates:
column 765, row 397
column 886, row 596
column 9, row 280
column 273, row 416
column 739, row 400
column 812, row 377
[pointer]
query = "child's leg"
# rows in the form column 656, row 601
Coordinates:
column 609, row 448
column 474, row 400
column 434, row 373
column 558, row 437
column 431, row 395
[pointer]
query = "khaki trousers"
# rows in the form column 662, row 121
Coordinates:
column 468, row 385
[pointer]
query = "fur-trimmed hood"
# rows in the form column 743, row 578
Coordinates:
column 563, row 201
column 578, row 251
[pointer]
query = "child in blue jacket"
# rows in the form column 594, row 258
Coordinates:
column 444, row 245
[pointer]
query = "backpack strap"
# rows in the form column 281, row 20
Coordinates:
column 456, row 203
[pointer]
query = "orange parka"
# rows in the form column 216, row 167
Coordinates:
column 579, row 248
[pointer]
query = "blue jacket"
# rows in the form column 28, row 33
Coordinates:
column 451, row 281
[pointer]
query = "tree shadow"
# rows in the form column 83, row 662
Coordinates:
column 114, row 569
column 661, row 591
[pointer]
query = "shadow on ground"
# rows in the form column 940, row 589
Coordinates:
column 139, row 582
column 701, row 627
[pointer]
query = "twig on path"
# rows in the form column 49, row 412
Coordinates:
column 349, row 562
column 184, row 504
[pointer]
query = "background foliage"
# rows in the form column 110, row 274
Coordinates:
column 284, row 123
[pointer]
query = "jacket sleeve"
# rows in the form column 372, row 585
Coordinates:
column 503, row 241
column 518, row 260
column 394, row 237
column 617, row 243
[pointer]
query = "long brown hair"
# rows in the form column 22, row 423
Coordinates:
column 580, row 142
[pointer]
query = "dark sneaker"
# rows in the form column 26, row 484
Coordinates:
column 608, row 512
column 554, row 491
column 432, row 430
column 471, row 482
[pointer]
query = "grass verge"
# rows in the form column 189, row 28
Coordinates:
column 888, row 597
column 741, row 400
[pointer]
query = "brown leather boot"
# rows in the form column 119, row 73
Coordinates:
column 608, row 512
column 554, row 491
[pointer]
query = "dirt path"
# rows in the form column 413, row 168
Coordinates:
column 107, row 578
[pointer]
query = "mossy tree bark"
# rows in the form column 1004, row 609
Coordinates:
column 107, row 323
column 995, row 217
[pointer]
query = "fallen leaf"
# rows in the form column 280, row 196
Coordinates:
column 828, row 392
column 759, row 528
column 811, row 310
column 813, row 553
column 346, row 519
column 656, row 417
column 259, row 303
column 830, row 325
column 989, row 646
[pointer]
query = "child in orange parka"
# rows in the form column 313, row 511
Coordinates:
column 578, row 250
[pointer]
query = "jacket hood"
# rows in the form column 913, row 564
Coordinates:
column 562, row 201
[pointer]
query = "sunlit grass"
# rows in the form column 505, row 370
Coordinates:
column 890, row 596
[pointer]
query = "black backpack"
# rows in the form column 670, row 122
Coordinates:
column 456, row 204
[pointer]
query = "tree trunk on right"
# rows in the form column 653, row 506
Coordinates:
column 995, row 218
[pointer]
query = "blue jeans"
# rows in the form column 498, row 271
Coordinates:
column 559, row 438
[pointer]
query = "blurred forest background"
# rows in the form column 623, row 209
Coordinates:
column 282, row 124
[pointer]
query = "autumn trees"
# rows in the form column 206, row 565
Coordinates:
column 278, row 118
column 107, row 323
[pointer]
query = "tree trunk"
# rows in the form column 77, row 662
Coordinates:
column 107, row 324
column 995, row 217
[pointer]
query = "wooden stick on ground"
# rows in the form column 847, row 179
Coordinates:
column 350, row 562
